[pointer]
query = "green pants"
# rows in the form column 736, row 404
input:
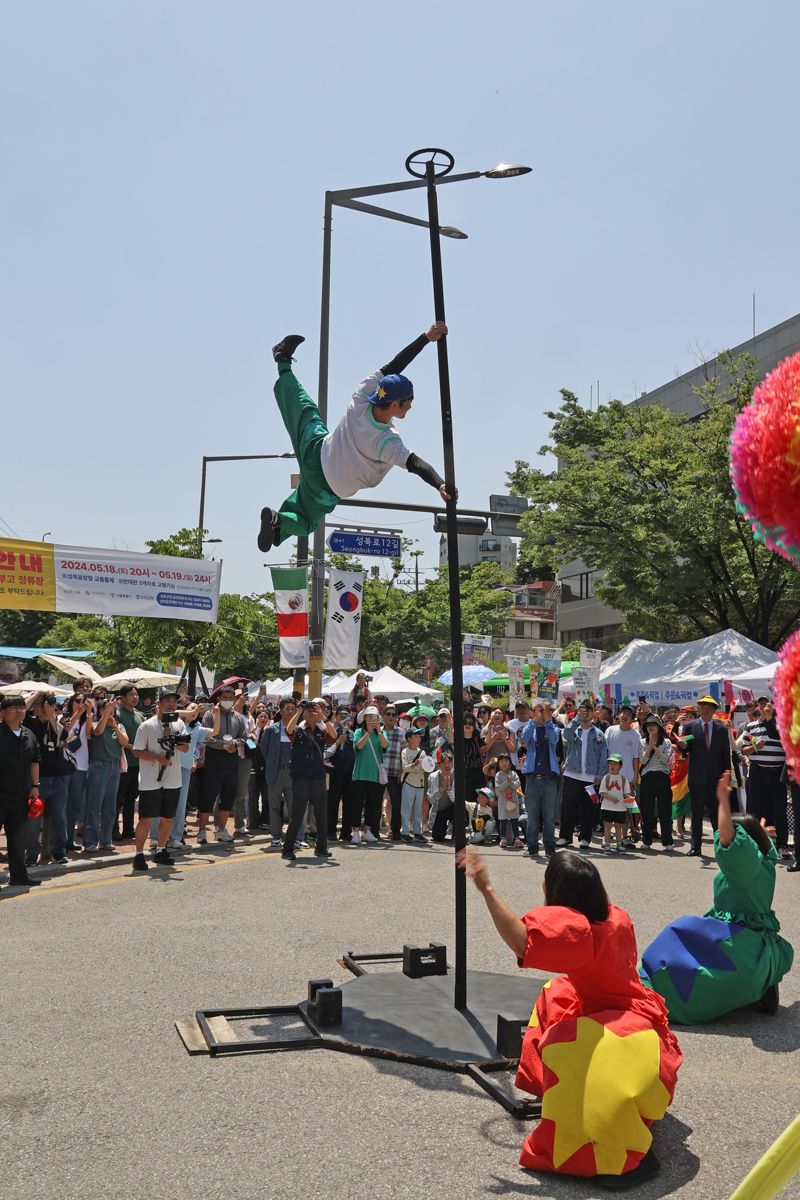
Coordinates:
column 303, row 510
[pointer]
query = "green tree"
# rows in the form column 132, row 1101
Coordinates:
column 25, row 627
column 84, row 631
column 644, row 494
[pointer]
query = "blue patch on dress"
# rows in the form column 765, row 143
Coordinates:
column 687, row 945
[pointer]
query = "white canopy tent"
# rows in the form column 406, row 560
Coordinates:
column 667, row 672
column 390, row 683
column 758, row 680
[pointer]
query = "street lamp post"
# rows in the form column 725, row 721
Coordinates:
column 353, row 198
column 207, row 458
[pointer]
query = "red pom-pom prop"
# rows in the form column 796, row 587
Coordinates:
column 765, row 460
column 786, row 691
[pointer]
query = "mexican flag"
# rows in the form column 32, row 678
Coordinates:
column 291, row 608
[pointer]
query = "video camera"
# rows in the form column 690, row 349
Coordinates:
column 172, row 742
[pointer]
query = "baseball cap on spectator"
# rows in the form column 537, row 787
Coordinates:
column 413, row 731
column 587, row 704
column 628, row 708
column 371, row 711
column 201, row 698
column 615, row 758
column 165, row 693
column 444, row 712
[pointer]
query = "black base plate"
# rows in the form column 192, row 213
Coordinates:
column 386, row 1014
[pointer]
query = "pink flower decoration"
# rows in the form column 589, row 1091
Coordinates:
column 765, row 460
column 786, row 691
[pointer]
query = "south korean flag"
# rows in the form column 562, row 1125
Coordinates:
column 342, row 632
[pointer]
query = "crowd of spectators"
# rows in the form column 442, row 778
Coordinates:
column 101, row 770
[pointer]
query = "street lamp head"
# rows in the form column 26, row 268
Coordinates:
column 507, row 171
column 451, row 232
column 210, row 541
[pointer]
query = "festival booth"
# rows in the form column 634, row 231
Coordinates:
column 679, row 673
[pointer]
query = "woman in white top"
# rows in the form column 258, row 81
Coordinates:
column 655, row 793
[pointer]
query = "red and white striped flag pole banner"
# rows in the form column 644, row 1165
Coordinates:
column 291, row 609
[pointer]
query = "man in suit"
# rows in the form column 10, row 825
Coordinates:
column 708, row 745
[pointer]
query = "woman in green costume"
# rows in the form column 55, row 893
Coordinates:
column 733, row 956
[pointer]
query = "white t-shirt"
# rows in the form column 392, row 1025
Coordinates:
column 147, row 736
column 361, row 451
column 613, row 791
column 514, row 726
column 627, row 743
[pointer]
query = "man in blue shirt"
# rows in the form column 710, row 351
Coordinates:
column 541, row 773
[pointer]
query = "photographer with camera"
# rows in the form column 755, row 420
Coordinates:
column 158, row 746
column 109, row 739
column 310, row 734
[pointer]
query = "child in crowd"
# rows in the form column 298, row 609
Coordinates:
column 484, row 817
column 614, row 793
column 507, row 792
column 412, row 778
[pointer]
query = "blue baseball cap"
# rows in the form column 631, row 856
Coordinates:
column 392, row 387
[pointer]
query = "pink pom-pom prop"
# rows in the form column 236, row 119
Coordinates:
column 765, row 460
column 786, row 691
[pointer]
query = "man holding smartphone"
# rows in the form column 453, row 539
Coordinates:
column 309, row 734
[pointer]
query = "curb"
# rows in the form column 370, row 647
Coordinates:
column 96, row 863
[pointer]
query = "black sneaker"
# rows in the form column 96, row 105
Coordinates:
column 163, row 858
column 25, row 882
column 289, row 855
column 140, row 863
column 270, row 528
column 286, row 347
column 323, row 854
column 420, row 837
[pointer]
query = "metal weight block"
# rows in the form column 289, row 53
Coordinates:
column 509, row 1036
column 419, row 961
column 314, row 986
column 327, row 1006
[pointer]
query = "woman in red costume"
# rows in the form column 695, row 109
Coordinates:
column 598, row 1049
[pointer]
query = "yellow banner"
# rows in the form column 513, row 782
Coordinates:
column 27, row 575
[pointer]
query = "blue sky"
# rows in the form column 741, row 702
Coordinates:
column 164, row 174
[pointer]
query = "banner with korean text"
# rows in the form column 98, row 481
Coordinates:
column 343, row 628
column 516, row 679
column 549, row 661
column 74, row 579
column 476, row 649
column 291, row 610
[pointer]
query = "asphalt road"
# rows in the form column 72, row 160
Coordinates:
column 98, row 1096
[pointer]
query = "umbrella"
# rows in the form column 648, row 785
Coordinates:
column 70, row 666
column 140, row 677
column 420, row 710
column 473, row 673
column 26, row 687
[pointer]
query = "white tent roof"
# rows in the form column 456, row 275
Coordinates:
column 75, row 667
column 678, row 670
column 388, row 682
column 759, row 677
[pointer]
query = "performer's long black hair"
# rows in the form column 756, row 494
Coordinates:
column 755, row 830
column 574, row 882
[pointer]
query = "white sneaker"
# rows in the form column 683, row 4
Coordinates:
column 202, row 840
column 173, row 845
column 584, row 845
column 355, row 840
column 223, row 836
column 561, row 841
column 369, row 836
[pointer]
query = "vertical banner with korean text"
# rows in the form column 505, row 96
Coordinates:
column 343, row 628
column 27, row 575
column 516, row 679
column 590, row 661
column 476, row 649
column 549, row 659
column 291, row 609
column 533, row 672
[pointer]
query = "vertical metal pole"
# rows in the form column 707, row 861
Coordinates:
column 192, row 663
column 459, row 823
column 202, row 515
column 302, row 560
column 318, row 553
